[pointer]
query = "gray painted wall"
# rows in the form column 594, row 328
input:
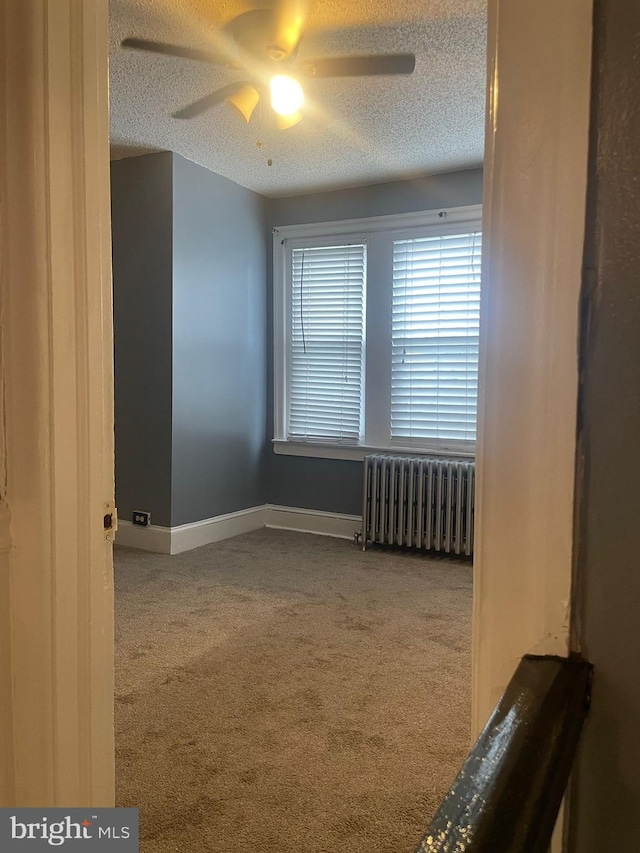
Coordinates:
column 326, row 484
column 193, row 336
column 605, row 806
column 141, row 202
column 219, row 345
column 189, row 277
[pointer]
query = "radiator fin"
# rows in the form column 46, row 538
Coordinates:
column 418, row 502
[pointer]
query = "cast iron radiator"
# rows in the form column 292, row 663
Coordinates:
column 506, row 797
column 418, row 502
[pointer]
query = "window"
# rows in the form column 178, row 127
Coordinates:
column 326, row 357
column 376, row 326
column 435, row 328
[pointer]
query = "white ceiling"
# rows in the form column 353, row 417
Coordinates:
column 362, row 130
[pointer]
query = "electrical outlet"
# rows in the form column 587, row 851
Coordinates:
column 141, row 518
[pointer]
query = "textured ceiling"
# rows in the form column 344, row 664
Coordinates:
column 361, row 130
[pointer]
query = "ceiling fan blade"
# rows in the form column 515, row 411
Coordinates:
column 287, row 22
column 177, row 50
column 360, row 66
column 211, row 100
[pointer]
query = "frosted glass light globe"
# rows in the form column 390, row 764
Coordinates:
column 286, row 95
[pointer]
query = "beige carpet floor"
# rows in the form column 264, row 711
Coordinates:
column 282, row 692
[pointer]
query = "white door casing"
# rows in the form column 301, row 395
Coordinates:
column 537, row 134
column 535, row 176
column 56, row 599
column 539, row 75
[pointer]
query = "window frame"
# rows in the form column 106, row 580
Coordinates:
column 378, row 289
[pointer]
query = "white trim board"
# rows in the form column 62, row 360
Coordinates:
column 373, row 224
column 185, row 537
column 152, row 538
column 56, row 466
column 534, row 214
column 334, row 524
column 535, row 177
column 358, row 453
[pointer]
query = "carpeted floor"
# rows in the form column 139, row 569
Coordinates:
column 281, row 692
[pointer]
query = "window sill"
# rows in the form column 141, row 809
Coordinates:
column 357, row 454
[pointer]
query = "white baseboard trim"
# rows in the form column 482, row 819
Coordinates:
column 175, row 540
column 189, row 536
column 152, row 538
column 315, row 521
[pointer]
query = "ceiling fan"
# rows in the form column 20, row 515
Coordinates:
column 263, row 45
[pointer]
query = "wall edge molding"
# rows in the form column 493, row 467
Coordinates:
column 152, row 538
column 186, row 537
column 318, row 522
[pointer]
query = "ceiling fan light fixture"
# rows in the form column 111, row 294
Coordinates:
column 286, row 95
column 285, row 122
column 276, row 53
column 288, row 18
column 243, row 102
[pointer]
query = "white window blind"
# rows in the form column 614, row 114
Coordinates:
column 327, row 344
column 435, row 326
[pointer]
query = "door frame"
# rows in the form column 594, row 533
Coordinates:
column 56, row 639
column 534, row 206
column 56, row 566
